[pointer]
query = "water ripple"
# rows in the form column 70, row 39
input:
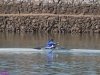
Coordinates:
column 37, row 64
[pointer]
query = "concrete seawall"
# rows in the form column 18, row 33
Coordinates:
column 52, row 8
column 50, row 17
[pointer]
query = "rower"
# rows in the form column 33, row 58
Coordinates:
column 50, row 44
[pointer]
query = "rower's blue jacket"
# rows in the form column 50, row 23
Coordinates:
column 50, row 43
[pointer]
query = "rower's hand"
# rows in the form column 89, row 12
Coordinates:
column 57, row 43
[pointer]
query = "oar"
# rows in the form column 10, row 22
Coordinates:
column 57, row 44
column 37, row 48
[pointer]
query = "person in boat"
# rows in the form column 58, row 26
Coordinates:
column 50, row 44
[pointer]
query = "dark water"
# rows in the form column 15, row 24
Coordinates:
column 50, row 64
column 27, row 40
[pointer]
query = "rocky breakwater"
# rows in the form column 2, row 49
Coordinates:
column 55, row 24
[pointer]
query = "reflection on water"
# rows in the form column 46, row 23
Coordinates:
column 63, row 64
column 90, row 41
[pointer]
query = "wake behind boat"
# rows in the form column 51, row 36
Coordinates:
column 21, row 50
column 92, row 51
column 17, row 49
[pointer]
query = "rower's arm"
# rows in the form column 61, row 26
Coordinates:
column 56, row 43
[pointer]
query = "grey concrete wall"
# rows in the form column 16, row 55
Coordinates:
column 52, row 1
column 27, row 8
